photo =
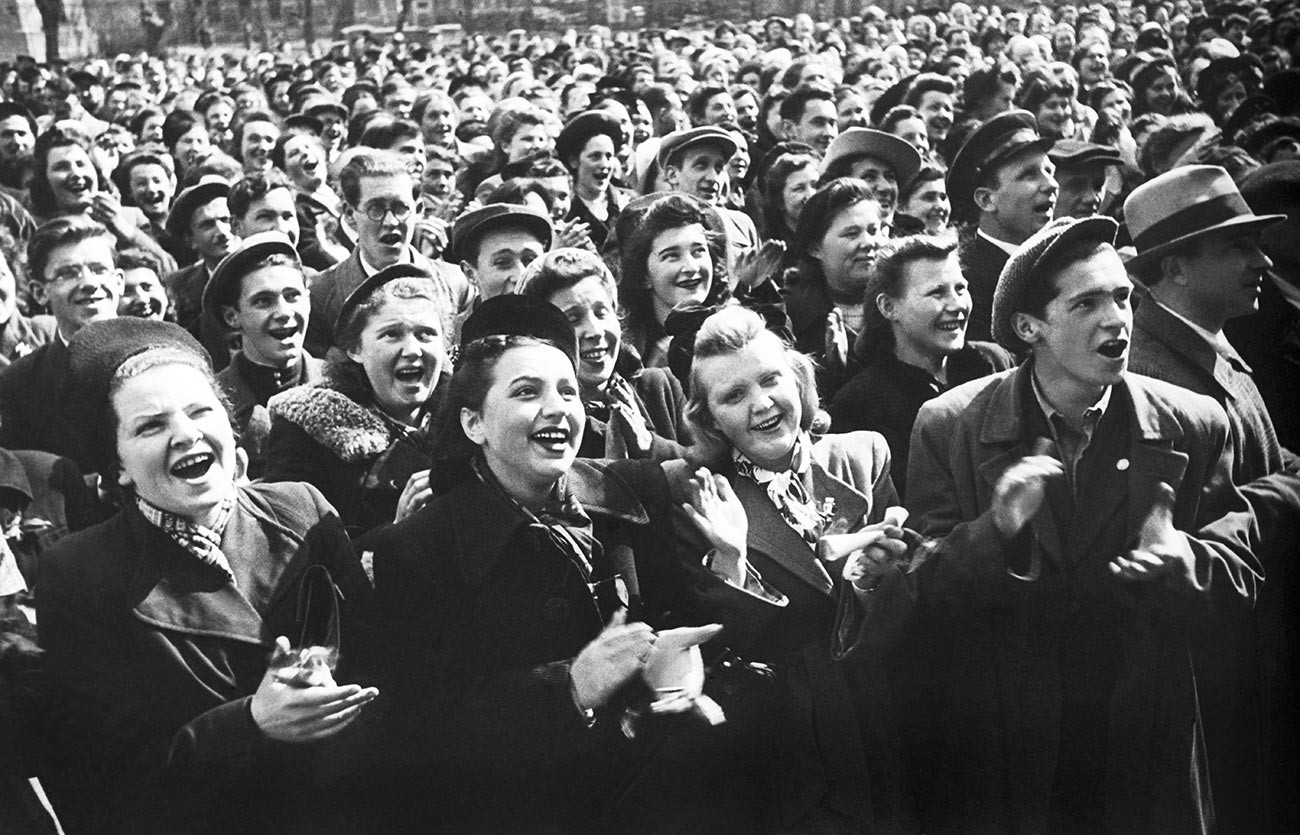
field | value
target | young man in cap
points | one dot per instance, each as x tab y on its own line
381	203
73	264
1086	527
1003	189
1082	172
496	243
694	162
260	294
1199	258
200	216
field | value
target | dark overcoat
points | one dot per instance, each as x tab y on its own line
1072	701
34	412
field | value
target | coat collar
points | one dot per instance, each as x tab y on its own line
484	536
171	590
1160	325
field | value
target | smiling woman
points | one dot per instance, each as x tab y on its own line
157	623
358	436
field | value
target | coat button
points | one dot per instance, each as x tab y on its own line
1121	464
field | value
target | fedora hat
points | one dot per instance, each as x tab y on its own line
1182	205
904	159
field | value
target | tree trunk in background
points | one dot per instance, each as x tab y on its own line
51	17
403	15
345	14
309	24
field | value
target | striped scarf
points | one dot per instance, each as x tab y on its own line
787	490
202	541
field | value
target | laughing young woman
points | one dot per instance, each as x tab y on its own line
358	436
632	411
157	623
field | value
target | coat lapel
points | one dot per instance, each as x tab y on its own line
771	537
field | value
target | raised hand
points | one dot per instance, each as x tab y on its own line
1159	543
617	654
1021	490
755	266
719	515
415	495
837	341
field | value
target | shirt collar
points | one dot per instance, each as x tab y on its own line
1091	415
1009	249
1217	340
370	269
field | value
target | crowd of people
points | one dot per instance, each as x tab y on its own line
879	424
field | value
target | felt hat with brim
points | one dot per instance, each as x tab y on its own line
1273	187
470	227
515	315
1025	268
223	287
1076	154
315	103
680	141
95	353
890	99
1182	205
578	130
206	190
854	143
993	143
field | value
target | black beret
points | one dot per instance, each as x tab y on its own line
223	286
472	226
890	99
994	142
515	315
95	353
373	283
1021	268
583	127
188	201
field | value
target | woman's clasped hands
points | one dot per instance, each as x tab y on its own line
286	711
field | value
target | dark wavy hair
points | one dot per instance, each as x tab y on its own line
44	205
773	203
819	213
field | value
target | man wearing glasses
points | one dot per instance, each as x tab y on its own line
382	205
73	264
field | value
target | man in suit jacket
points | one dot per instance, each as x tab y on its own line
73	262
201	217
1086	529
1199	256
1002	190
381	202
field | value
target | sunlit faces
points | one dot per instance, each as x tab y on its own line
218	116
383	242
16	137
848	249
400	101
1081	342
936	109
929	204
596	164
1095	64
738	165
211	233
679	268
528	140
928	316
438	124
799	186
1081	191
914	133
1222	274
753	397
256	141
174	441
719	108
818	126
1117	107
747	111
152	188
1022	198
80	284
274	211
403	353
1162	92
852	112
883	182
439	178
503	255
192	147
594	315
304	161
72	178
271	315
8	291
411	150
475	107
531	421
1055	116
143	295
699	171
1230	99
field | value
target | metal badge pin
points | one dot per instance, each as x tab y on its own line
1121	464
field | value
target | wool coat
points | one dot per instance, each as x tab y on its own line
153	658
34	412
1072	699
981	264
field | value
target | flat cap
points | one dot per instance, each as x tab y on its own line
470	227
223	286
679	141
209	188
993	143
1074	153
1023	268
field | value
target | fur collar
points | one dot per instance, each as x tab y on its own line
333	420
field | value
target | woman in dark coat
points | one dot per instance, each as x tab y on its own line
358	436
157	624
833	762
518	607
632	411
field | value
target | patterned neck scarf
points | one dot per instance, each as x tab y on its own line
787	490
201	541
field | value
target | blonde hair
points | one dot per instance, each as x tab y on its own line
729	331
